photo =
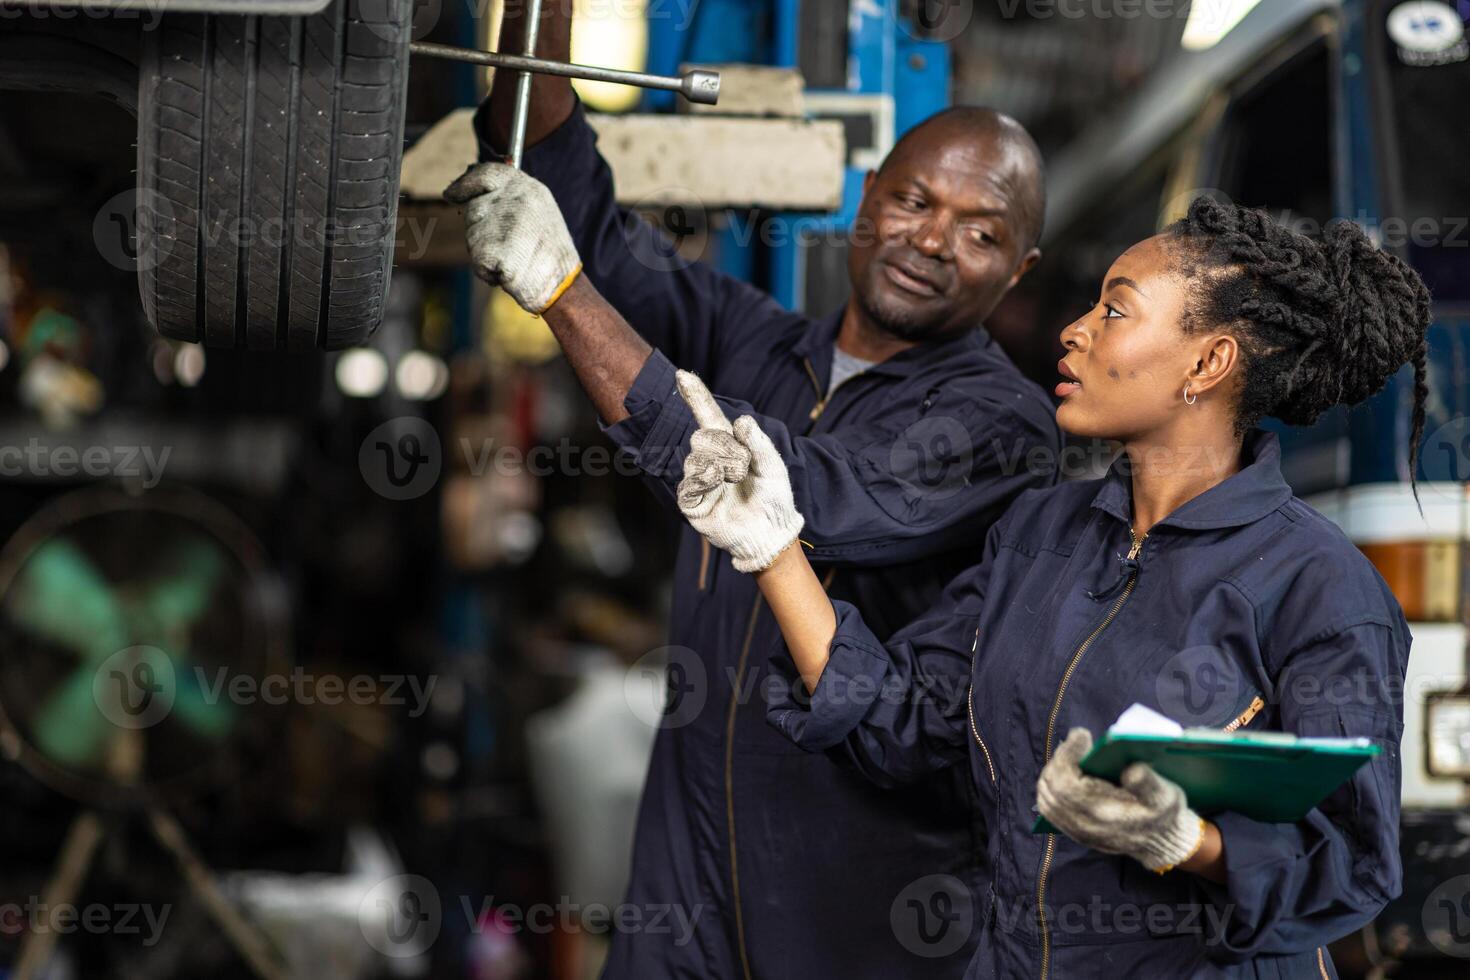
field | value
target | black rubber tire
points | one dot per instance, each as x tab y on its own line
269	150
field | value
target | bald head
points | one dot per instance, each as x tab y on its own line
1002	139
947	225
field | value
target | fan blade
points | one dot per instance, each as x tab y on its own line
61	598
69	728
173	603
211	718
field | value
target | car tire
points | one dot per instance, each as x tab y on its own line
269	150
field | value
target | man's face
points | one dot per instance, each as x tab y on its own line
939	237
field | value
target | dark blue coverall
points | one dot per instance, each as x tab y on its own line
1244	609
794	864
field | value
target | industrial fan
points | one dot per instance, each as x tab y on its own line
127	623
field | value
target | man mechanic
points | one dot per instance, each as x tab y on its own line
906	432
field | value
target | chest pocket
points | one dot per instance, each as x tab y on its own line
1204	687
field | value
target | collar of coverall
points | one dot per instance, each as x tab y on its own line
1241	499
816	343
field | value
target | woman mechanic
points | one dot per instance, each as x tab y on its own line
1188	579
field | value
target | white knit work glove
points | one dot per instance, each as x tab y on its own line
1146	818
516	234
735	489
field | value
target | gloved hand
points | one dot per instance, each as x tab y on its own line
735	489
516	234
1145	818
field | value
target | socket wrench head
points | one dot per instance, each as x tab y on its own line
701	86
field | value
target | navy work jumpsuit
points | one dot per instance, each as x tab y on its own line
791	865
1244	609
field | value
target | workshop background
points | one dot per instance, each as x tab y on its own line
387	623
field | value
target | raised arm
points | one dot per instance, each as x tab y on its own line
896	711
868	495
552	98
683	308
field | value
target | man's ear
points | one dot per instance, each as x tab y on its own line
1028	262
868	180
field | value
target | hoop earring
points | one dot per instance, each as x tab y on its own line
1187	399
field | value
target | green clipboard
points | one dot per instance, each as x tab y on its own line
1268	776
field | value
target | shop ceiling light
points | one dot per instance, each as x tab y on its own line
189	364
613	35
420	376
1211	20
361	372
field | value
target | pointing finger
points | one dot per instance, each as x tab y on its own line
706	410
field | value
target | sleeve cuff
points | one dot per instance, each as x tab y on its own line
851	683
1254	854
659	423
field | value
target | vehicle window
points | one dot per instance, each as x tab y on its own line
1423	69
1275	145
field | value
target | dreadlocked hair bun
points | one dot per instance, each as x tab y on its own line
1321	320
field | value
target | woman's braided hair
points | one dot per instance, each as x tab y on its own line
1321	320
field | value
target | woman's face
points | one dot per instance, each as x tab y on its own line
1128	358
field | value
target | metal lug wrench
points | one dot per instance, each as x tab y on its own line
696	86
